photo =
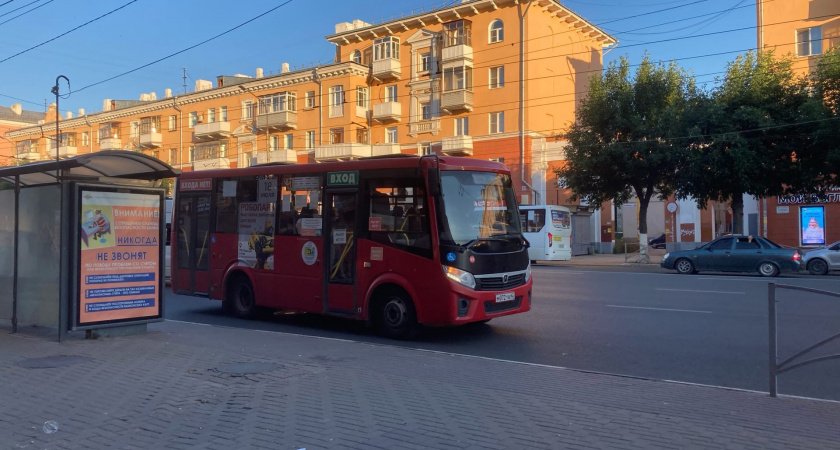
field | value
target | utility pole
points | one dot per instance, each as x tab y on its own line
57	132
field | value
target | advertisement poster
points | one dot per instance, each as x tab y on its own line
256	234
812	225
120	256
561	219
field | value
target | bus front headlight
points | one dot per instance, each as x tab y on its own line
460	276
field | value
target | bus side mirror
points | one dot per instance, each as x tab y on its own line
433	181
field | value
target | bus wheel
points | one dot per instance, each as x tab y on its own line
240	298
396	316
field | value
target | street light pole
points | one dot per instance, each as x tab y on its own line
57	133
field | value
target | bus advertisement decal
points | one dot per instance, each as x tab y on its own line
256	234
376	253
309	253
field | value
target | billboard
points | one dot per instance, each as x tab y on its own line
812	225
120	246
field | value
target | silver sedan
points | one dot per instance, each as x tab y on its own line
821	260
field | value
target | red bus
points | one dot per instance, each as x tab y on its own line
392	241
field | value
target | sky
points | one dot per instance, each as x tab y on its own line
90	41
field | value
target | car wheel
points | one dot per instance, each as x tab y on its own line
240	298
768	269
818	267
684	266
396	317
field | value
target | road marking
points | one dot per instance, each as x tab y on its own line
661	309
703	292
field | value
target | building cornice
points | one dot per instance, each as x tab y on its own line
471	8
260	84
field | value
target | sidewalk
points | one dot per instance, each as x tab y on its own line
609	259
194	386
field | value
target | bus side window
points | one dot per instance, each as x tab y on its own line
400	210
300	208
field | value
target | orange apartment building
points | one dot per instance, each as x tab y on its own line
806	30
12	118
491	79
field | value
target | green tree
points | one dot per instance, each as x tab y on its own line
622	143
825	82
752	135
168	184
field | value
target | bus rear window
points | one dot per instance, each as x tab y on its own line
533	220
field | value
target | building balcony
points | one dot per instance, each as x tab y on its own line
457	146
29	156
151	140
66	151
285	156
387	69
456	53
457	101
110	144
385	149
387	112
211	131
278	120
342	152
426	126
211	164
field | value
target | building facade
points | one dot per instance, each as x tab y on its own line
490	79
13	118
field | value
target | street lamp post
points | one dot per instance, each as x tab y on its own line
57	132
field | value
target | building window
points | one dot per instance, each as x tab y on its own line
362	135
223	113
426	111
391	135
149	124
310	139
336	135
457	33
462	126
173	123
356	57
211	115
497	122
173	156
497	77
247	160
274	143
193	119
391	93
284	101
336	101
309	100
191	155
425	148
134	129
497	31
288	142
809	41
425	62
386	48
85	139
247	109
362	96
457	78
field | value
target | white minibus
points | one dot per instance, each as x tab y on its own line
548	228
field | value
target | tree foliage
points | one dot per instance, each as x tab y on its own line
752	135
622	144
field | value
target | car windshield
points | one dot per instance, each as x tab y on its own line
478	206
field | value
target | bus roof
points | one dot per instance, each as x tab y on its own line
446	163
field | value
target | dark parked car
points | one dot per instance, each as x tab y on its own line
657	242
736	254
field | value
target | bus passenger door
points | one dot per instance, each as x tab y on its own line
193	236
340	253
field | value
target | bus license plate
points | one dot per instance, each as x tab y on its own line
506	297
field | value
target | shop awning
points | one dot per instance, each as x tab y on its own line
99	166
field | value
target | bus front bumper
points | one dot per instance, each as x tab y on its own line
476	306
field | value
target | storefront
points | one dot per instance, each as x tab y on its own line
804	220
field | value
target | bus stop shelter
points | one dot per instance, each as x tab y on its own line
81	242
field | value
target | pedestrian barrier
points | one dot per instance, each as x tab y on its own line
777	368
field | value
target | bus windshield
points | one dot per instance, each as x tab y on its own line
478	206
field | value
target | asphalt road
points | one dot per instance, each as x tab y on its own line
705	328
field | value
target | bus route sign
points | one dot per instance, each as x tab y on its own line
345	178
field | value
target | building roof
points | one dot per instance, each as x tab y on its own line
466	8
25	116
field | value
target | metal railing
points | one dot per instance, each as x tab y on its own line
777	368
